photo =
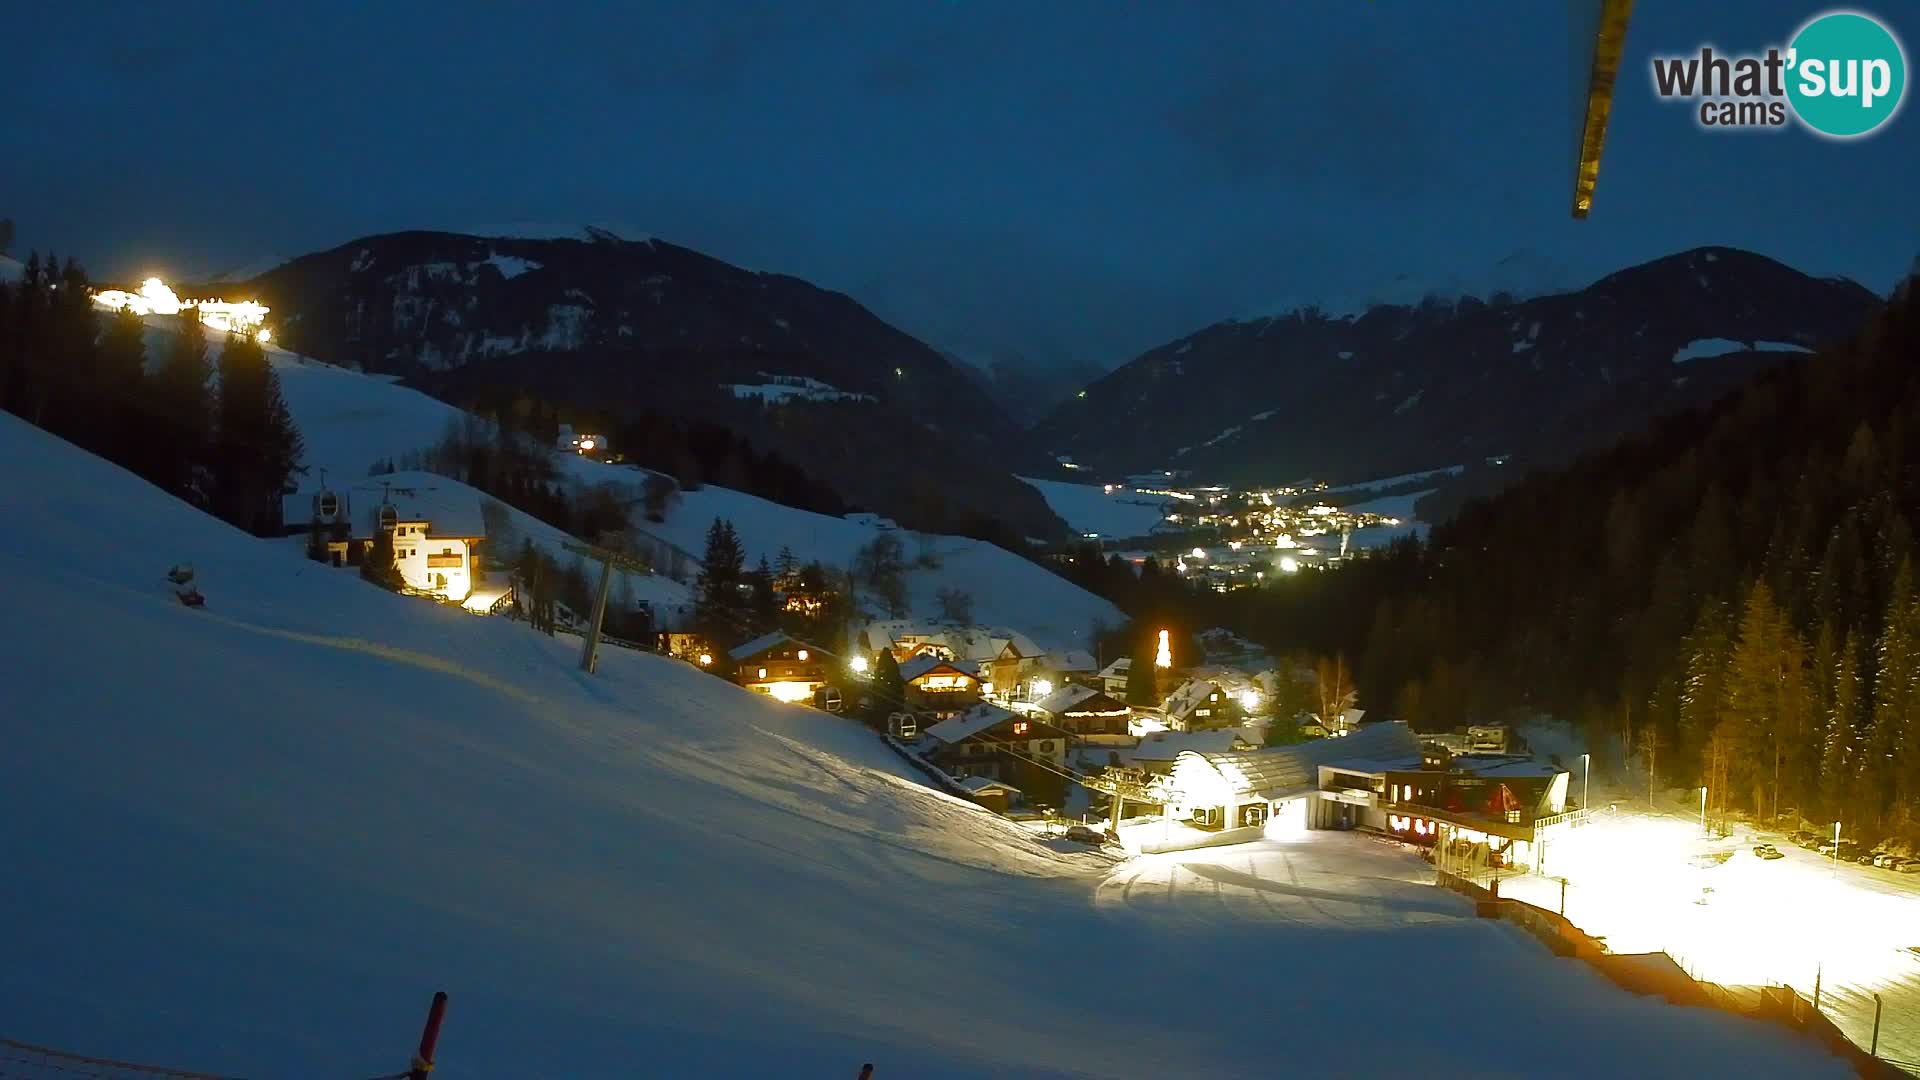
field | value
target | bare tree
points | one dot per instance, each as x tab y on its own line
1335	689
956	605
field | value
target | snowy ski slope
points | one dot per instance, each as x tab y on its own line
252	839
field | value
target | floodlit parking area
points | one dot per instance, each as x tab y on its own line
1650	882
1385	975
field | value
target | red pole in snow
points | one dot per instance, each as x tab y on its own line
866	1071
429	1037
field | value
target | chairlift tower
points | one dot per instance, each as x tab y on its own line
608	558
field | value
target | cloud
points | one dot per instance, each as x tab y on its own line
1315	119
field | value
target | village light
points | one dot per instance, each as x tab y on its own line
265	335
706	659
1163	657
803	654
1041	688
1249	700
1289	564
859	665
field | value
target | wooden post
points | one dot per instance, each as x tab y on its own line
1816	988
589	651
429	1038
1874	1050
1563	897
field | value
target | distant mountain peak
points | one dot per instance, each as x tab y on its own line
548	230
1521	274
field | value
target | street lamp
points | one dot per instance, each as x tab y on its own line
1703	809
1586	781
1836	847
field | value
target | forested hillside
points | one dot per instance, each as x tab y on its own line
1729	599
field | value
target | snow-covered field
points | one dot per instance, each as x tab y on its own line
1119	514
1646	882
252	839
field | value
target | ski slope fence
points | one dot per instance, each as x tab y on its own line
1659	974
25	1061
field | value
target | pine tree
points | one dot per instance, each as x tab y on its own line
1888	765
257	448
119	420
765	607
378	565
718	606
183	405
1837	752
1703	690
889	689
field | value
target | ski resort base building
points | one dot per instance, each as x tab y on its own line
1491	810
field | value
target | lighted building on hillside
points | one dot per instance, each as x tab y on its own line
780	667
436	531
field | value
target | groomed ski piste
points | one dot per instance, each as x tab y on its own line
251	839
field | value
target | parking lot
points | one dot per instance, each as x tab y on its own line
1647	881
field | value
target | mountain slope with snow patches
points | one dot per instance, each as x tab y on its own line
351	422
253	838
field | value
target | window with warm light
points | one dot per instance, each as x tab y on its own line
1020	728
763	673
803	654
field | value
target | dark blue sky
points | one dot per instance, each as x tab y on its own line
1064	179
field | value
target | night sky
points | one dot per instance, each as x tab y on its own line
1064	180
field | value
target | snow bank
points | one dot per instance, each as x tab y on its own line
252	839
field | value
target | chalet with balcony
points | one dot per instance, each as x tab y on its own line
1091	717
780	667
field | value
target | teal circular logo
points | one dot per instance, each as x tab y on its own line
1846	74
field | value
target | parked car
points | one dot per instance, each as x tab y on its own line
1825	847
1865	858
1849	851
1907	866
1805	837
1086	834
1767	851
1885	859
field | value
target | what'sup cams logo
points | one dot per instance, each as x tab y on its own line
1842	75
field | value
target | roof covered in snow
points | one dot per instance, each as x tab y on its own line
982	784
1284	771
1118	668
926	663
1072	660
1080	700
449	508
1191	695
967	642
968	724
757	646
1167	745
